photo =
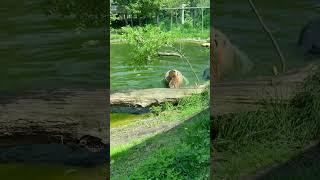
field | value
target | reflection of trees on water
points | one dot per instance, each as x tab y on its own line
84	12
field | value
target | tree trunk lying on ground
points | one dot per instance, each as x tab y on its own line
154	96
63	115
232	97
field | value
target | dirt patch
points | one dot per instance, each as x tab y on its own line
140	129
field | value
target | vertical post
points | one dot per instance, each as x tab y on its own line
201	20
158	19
126	18
182	13
176	14
171	20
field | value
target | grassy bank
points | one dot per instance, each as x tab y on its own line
274	133
178	32
180	153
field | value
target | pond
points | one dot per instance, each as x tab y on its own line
284	18
123	76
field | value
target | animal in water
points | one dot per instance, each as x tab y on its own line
91	143
206	74
226	58
174	79
309	40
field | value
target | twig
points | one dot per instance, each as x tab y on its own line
270	35
188	62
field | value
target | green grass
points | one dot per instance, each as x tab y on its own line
114	150
304	166
180	153
274	133
185	107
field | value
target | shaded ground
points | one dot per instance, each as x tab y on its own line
304	166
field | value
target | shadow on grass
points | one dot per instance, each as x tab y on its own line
305	165
182	152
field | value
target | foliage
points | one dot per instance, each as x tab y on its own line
84	13
94	12
140	7
113	18
194	103
146	41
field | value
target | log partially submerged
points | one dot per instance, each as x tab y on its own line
170	54
149	97
207	44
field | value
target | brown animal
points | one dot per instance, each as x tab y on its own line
226	58
174	79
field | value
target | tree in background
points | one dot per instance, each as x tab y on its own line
84	12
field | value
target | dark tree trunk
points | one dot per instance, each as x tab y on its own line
126	18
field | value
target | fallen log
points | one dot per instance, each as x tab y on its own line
60	115
154	96
169	54
233	97
207	44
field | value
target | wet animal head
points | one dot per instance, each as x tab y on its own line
173	73
174	79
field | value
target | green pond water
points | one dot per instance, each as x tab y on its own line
125	77
121	119
122	76
284	18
